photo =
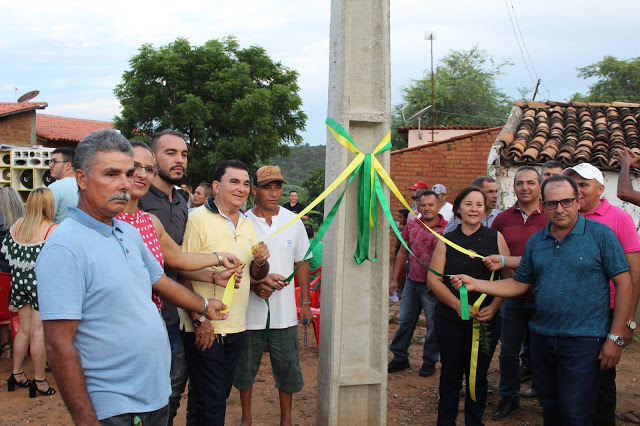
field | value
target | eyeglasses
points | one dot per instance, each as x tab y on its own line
53	162
152	170
552	205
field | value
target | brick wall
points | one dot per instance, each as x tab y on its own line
18	129
453	163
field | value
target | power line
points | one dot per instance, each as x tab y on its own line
518	41
522	38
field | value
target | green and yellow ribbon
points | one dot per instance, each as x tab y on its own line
370	171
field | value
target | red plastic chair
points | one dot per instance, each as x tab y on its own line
314	296
315	322
6	316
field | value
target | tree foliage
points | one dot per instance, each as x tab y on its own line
297	167
232	102
314	185
618	80
465	93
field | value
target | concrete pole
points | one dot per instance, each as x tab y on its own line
352	371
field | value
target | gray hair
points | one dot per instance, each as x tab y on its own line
11	207
103	140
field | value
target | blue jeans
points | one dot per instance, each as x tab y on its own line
516	314
566	372
415	299
173	331
454	340
211	375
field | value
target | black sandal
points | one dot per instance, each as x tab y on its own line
33	388
12	382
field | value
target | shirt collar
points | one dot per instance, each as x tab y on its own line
602	209
90	222
213	207
538	210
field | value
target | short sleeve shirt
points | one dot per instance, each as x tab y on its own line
422	243
297	209
101	276
570	279
65	194
622	225
286	248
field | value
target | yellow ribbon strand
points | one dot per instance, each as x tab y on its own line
394	189
475	345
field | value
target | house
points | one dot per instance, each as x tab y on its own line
453	162
570	133
27	139
427	134
21	126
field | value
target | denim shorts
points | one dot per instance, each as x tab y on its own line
285	359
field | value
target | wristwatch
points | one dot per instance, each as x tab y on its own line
198	321
220	258
618	340
631	324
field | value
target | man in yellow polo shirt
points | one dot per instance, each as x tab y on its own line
213	348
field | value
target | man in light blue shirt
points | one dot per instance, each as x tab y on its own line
106	342
65	188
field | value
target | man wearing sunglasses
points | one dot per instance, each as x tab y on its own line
568	264
591	186
65	188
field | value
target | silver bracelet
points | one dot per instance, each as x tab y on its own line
220	258
206	307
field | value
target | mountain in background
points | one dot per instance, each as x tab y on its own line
303	159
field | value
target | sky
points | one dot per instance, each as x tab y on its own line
75	52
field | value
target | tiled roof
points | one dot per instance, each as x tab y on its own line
571	133
10	108
66	129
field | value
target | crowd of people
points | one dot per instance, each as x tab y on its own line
118	275
554	278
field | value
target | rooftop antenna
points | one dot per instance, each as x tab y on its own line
419	115
28	96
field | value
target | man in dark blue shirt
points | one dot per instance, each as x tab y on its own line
569	264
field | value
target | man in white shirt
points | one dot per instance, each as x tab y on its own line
276	320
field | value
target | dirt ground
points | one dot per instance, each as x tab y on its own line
412	400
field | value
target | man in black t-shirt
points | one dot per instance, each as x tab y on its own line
293	204
164	201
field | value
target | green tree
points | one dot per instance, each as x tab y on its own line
314	185
618	80
465	93
230	102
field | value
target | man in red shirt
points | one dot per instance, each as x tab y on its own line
517	224
416	295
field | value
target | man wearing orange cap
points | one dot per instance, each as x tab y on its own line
276	322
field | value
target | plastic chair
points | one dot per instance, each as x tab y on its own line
6	316
315	322
314	296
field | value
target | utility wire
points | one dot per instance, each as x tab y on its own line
522	38
518	41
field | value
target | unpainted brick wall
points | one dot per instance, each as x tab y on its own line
453	163
18	129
